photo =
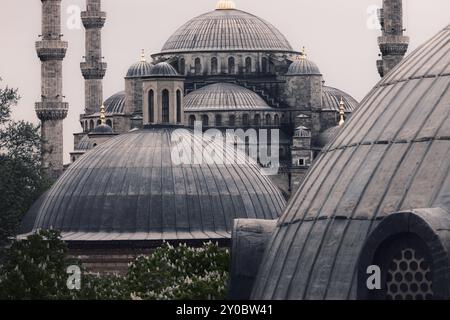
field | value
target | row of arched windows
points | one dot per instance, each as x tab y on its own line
89	126
232	120
214	65
165	106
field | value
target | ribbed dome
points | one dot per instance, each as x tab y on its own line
115	104
129	188
139	69
84	144
391	156
163	69
226	30
328	135
302	67
103	129
331	98
224	97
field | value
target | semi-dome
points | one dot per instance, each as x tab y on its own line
130	188
163	69
84	144
380	190
115	104
224	97
226	29
303	67
331	98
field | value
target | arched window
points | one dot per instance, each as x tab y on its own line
232	120
178	106
165	114
198	66
205	120
151	106
276	120
182	66
268	120
231	66
192	120
248	65
218	120
245	121
257	120
99	122
86	126
264	65
91	125
214	65
109	123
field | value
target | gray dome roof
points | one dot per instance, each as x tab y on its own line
302	67
391	156
84	144
115	104
163	69
227	30
331	98
103	129
139	69
328	135
224	97
129	188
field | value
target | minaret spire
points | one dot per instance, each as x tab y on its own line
51	110
93	69
393	44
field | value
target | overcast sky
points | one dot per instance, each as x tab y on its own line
336	34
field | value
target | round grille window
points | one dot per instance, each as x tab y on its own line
409	277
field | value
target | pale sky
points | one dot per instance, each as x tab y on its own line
335	33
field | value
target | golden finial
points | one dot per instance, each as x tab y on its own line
304	55
342	112
103	114
225	5
143	56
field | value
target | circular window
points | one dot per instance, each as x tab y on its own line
409	277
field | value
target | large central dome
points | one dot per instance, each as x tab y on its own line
227	30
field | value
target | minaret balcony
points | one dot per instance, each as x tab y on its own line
93	69
51	49
51	110
93	19
393	45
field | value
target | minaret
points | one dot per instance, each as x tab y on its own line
51	110
393	44
93	69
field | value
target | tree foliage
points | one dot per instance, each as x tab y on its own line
36	269
21	179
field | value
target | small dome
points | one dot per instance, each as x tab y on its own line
115	104
224	97
302	132
303	67
331	98
328	135
103	129
139	69
163	69
84	144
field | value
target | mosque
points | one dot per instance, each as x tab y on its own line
368	183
